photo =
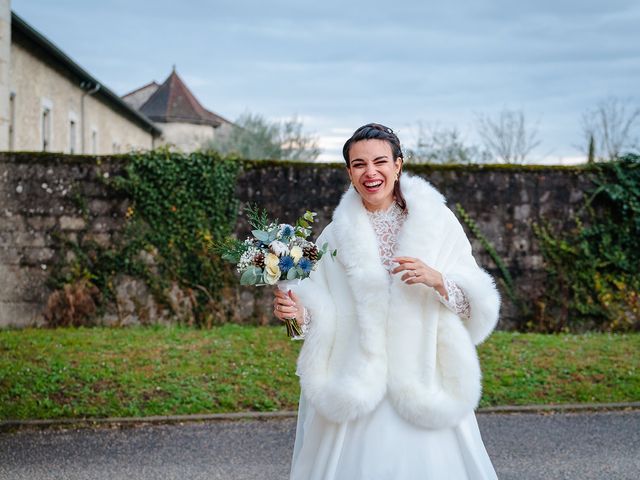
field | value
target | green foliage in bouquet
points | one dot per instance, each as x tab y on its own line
275	251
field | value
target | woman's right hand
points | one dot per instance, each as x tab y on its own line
287	306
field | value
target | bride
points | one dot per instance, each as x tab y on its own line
388	370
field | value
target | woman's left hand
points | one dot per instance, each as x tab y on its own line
416	271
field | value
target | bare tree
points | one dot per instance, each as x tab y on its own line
614	126
257	138
295	144
508	138
443	145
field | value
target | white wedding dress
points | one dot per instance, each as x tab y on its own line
382	445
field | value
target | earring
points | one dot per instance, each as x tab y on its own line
397	176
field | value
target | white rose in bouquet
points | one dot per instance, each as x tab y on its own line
271	274
296	253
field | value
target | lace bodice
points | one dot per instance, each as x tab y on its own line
387	225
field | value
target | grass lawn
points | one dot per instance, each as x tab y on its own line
102	372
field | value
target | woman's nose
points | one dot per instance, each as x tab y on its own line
371	169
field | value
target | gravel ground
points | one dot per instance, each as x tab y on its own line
522	446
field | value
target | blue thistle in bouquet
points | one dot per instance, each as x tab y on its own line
275	253
286	263
305	265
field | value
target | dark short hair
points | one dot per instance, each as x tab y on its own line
377	131
372	131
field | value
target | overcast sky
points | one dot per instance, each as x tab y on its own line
339	64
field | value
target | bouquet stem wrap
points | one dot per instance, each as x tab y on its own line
293	328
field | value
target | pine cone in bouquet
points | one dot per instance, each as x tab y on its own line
311	252
258	260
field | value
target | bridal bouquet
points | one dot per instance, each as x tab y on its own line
276	253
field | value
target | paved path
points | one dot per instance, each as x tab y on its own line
523	447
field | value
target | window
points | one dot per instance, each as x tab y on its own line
72	136
46	128
12	121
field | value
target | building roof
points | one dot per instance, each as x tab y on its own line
174	102
24	33
139	96
151	85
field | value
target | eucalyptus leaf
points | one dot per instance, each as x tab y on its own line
260	235
250	276
292	274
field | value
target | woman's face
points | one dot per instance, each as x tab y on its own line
372	170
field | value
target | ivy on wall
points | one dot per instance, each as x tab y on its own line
505	276
594	269
180	204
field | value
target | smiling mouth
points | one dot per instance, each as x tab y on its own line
373	185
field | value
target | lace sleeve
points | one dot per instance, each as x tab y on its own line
457	302
305	325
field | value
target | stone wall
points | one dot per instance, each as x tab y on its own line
45	195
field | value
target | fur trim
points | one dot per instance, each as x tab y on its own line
477	284
444	391
341	394
371	333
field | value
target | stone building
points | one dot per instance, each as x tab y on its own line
185	123
49	103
